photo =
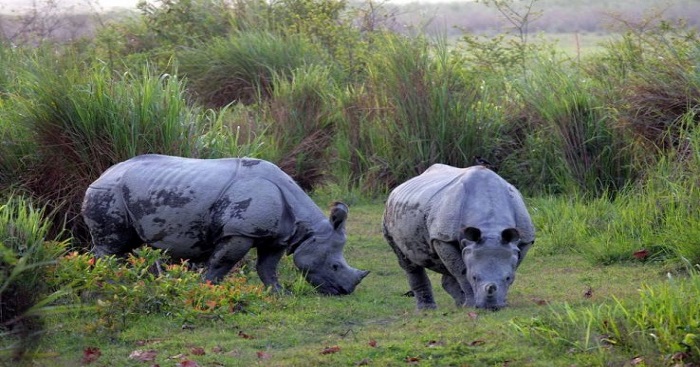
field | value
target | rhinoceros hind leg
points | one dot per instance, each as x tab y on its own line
114	240
227	253
268	258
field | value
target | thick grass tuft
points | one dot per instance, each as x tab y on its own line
26	258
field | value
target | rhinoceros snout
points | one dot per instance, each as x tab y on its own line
491	299
491	289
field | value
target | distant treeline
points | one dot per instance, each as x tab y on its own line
555	16
55	20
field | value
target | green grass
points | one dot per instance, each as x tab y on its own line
295	329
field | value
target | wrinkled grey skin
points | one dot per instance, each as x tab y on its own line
468	224
216	210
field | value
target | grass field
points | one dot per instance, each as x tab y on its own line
376	326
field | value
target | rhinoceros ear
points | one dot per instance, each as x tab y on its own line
510	235
339	212
472	234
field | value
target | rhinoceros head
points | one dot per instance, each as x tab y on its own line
491	261
320	256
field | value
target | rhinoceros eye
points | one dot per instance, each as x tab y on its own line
335	267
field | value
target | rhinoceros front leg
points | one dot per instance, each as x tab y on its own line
417	278
268	258
455	283
422	289
451	285
226	254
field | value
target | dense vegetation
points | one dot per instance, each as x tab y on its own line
350	108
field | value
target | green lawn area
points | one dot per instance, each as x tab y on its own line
375	326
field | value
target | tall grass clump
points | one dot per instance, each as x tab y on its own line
649	221
653	71
654	219
660	328
300	122
77	122
571	224
572	143
26	258
240	67
429	109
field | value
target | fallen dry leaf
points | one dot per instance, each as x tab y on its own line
588	293
641	254
477	343
245	336
637	361
679	356
143	355
473	315
331	350
263	355
198	351
187	363
372	343
540	301
91	354
412	360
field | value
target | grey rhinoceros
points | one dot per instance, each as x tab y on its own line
216	210
468	224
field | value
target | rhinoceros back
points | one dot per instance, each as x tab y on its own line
183	205
442	200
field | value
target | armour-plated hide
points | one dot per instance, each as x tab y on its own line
215	211
467	224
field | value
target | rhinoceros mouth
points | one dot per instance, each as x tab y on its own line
333	290
491	307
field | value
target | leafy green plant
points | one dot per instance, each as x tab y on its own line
26	259
120	291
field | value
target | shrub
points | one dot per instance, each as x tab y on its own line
147	282
26	259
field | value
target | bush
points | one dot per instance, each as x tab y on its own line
26	260
120	291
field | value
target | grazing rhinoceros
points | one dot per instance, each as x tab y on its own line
468	224
217	210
